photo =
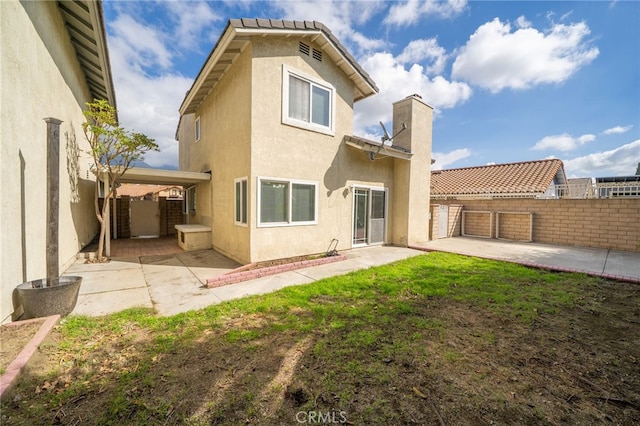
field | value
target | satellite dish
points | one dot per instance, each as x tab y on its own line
385	138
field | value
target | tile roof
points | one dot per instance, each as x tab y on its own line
236	36
528	177
137	190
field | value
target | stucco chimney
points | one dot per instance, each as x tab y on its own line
412	178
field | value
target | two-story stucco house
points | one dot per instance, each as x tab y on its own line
270	116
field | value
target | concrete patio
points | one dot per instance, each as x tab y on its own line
171	280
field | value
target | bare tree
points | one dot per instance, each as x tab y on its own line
114	150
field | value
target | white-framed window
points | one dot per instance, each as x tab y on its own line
307	102
241	197
197	129
190	200
285	202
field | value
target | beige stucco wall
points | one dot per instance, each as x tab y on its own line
40	78
223	149
288	152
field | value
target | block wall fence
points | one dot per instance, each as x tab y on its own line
612	223
170	215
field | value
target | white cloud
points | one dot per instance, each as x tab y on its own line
444	159
563	142
396	82
146	103
522	22
339	16
495	57
422	50
412	11
191	21
139	45
621	161
616	130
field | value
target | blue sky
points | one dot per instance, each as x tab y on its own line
509	81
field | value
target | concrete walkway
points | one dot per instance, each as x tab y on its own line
620	265
173	283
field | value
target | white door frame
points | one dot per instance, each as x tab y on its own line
368	188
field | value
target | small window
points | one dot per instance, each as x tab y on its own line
197	127
307	102
190	200
285	202
241	201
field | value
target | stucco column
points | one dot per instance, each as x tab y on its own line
412	178
53	197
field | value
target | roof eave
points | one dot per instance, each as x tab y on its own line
75	16
234	29
375	148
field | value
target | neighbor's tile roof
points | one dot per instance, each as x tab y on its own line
511	178
140	190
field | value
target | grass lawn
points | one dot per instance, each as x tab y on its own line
435	339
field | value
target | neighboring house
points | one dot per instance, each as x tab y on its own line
618	186
270	116
527	179
54	59
150	192
580	188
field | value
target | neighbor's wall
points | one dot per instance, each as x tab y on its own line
40	78
612	223
454	221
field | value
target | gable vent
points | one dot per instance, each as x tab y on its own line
304	48
317	55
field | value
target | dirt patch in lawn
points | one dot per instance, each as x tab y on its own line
14	338
414	360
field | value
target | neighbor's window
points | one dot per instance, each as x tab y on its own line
197	127
286	202
241	201
307	102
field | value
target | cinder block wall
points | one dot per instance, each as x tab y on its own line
477	223
511	226
453	227
174	216
122	205
603	223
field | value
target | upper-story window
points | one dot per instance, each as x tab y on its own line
197	128
307	102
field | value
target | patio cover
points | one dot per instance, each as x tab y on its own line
163	177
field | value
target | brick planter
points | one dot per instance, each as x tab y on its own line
238	275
